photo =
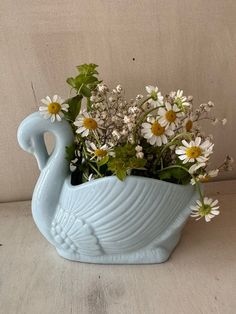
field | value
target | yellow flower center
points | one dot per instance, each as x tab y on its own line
204	210
100	152
170	116
178	102
189	125
157	129
54	107
193	152
205	179
90	124
154	95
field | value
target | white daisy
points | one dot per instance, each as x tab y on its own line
53	108
170	115
86	124
180	100
207	209
206	176
195	151
99	152
156	97
155	133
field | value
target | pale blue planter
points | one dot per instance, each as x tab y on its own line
107	221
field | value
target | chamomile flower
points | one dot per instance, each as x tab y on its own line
180	100
206	176
156	97
194	151
155	133
207	209
99	152
86	124
53	108
169	116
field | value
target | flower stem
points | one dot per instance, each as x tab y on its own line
184	134
143	102
91	165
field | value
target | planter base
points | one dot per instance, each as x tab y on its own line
148	256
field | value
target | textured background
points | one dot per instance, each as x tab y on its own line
176	43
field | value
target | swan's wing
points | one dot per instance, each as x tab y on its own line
74	235
127	216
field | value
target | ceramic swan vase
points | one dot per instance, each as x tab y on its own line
136	221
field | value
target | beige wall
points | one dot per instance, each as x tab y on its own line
188	44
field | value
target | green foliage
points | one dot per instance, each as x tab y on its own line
86	81
125	159
175	175
70	152
74	107
103	161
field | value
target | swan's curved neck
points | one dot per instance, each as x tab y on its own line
54	168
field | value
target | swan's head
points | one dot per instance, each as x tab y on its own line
30	137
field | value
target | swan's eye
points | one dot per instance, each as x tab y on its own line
90	124
54	108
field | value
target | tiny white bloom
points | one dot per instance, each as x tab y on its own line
140	155
215	121
53	108
126	119
207	209
138	148
85	124
119	88
224	121
156	97
139	97
170	115
195	151
155	133
180	100
116	134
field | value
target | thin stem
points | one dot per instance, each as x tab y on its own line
91	165
175	138
96	137
144	101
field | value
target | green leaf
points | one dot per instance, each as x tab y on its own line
165	175
176	175
74	107
70	152
103	161
85	91
87	69
71	82
121	174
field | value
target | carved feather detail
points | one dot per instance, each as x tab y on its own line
74	235
108	217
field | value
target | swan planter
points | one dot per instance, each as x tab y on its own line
137	221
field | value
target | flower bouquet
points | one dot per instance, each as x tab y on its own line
124	176
154	136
